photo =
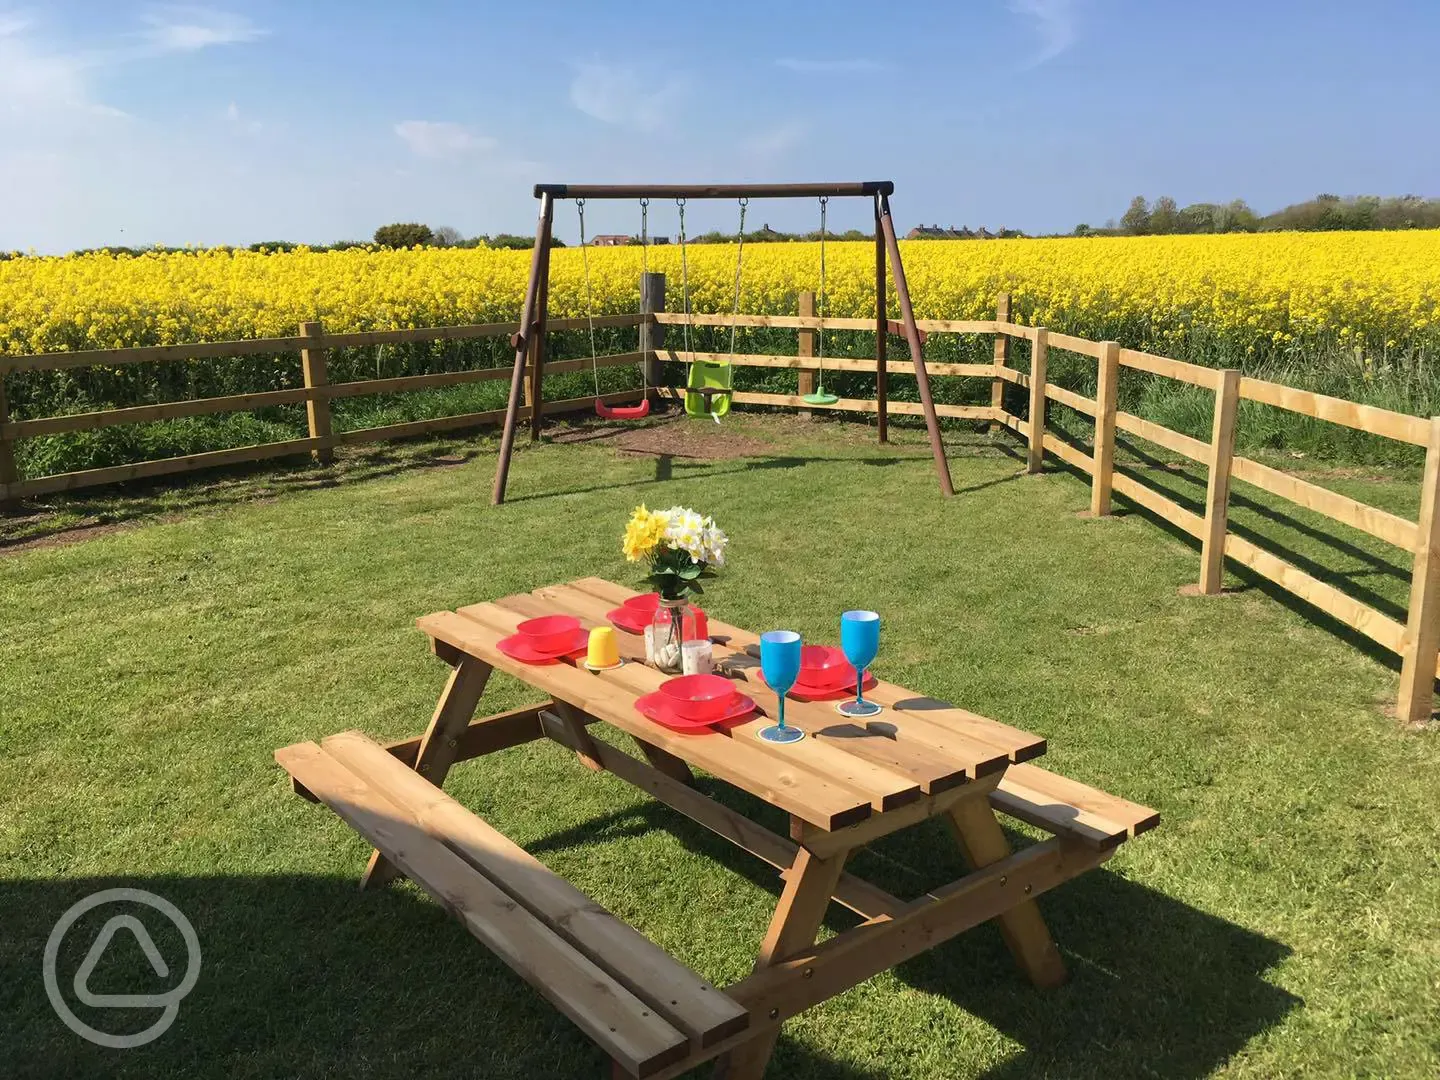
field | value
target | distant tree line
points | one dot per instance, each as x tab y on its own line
1324	213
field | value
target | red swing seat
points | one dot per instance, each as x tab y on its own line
622	412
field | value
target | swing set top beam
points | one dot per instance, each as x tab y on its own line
713	191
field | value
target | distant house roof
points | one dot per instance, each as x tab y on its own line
935	232
610	240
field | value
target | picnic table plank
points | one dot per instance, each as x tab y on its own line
794	790
885	788
609	1013
886	745
684	999
947	734
1059	804
933	716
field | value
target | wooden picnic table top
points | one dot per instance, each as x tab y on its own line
841	774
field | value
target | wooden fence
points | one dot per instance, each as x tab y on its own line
1416	641
313	345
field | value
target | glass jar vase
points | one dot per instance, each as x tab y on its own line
672	625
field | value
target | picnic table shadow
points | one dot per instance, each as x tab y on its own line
304	976
1157	987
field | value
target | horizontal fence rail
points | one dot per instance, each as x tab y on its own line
1417	640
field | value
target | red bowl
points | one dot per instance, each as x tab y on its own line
699	697
645	604
549	633
823	665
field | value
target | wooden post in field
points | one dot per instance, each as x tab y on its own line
652	334
1039	358
1420	644
807	348
314	365
1217	490
9	474
1105	428
1002	356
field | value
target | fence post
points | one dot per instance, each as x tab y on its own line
1002	356
1105	428
1217	488
9	474
652	334
1420	643
313	363
1039	358
807	348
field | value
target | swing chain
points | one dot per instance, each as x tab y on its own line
644	275
824	296
589	304
684	277
739	265
644	236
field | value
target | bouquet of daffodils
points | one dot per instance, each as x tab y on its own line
681	546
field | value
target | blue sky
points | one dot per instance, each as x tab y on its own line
316	121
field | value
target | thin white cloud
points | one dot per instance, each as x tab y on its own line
441	138
37	78
1055	23
185	28
853	66
621	96
239	121
774	142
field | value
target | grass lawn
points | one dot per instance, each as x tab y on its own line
1280	922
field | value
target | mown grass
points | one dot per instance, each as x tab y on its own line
1280	922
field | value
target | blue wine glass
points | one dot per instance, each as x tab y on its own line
780	661
860	641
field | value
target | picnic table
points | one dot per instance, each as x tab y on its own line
843	786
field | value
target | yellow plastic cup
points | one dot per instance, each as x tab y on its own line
604	648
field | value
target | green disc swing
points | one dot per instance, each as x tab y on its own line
709	383
820	396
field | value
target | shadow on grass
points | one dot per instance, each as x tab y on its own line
1157	987
1185	485
138	500
300	977
305	976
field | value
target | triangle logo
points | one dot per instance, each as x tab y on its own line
97	950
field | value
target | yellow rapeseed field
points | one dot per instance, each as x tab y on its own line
1283	292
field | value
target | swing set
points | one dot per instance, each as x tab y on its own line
709	380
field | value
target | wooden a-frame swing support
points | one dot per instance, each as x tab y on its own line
528	341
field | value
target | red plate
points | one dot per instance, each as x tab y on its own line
626	619
632	622
835	691
519	648
656	707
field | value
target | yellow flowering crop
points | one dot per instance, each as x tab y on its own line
1242	292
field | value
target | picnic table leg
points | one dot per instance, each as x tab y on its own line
809	885
983	841
666	762
453	713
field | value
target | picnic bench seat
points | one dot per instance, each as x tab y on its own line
641	1006
1069	808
